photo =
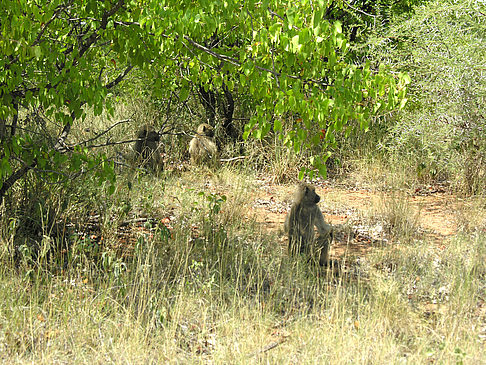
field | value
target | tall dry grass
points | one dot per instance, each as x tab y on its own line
201	282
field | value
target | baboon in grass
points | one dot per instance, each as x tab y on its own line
202	147
146	149
299	224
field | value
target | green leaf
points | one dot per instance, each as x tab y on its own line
406	78
242	80
337	28
295	43
302	173
280	107
5	168
38	52
403	102
265	129
377	107
292	101
184	93
322	168
277	125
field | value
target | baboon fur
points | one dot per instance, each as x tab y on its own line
299	224
202	147
146	149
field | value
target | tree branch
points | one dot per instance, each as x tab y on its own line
44	27
12	179
235	62
231	60
119	78
102	133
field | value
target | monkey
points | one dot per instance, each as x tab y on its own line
146	149
299	224
202	147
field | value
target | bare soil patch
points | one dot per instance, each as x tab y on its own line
351	211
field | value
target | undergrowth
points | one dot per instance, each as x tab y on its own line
182	273
175	268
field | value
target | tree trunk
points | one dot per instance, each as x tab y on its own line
208	100
228	108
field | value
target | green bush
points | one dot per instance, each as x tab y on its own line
439	134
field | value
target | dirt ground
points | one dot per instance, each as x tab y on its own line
357	214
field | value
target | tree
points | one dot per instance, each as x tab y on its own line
442	129
60	57
362	17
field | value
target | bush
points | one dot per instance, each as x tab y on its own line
442	47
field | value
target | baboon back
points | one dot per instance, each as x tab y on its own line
202	148
146	149
300	221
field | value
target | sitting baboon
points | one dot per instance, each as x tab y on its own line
146	149
202	147
299	224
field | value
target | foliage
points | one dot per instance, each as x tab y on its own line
441	131
56	60
364	17
61	58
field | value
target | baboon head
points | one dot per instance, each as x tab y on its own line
306	194
148	135
205	129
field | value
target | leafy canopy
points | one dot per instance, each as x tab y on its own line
60	57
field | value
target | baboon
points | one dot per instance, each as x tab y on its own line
202	147
299	224
146	149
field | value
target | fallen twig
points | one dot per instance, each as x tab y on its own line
267	347
232	159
